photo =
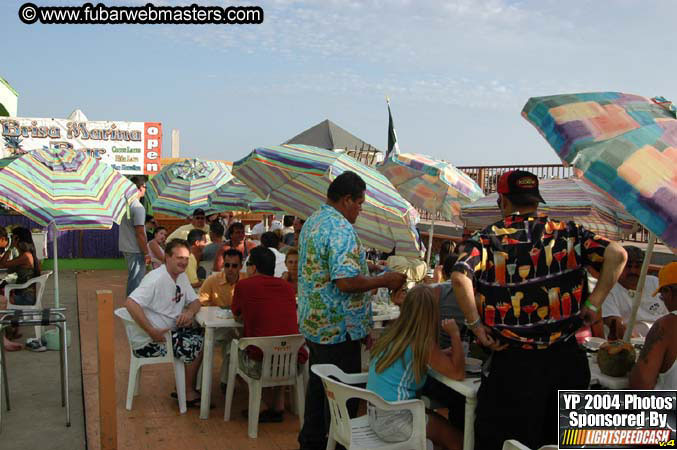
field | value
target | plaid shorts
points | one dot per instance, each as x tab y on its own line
187	343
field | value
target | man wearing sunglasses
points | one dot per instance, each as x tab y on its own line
165	301
656	368
217	290
618	304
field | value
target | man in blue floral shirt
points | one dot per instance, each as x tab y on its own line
333	306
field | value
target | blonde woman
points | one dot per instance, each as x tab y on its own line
399	365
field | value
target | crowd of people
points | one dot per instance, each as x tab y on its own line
526	290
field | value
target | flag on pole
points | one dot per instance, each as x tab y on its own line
392	136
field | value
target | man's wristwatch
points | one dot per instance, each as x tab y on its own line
472	325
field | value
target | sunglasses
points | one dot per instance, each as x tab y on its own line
177	295
199	217
249	263
229	265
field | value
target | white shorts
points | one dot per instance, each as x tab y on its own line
391	426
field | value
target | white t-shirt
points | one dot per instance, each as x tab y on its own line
280	266
157	295
619	303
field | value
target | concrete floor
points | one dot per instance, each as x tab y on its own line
37	419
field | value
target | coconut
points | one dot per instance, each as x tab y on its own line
616	358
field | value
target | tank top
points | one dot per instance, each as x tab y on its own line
396	382
668	379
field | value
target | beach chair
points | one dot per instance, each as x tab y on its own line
278	368
39	290
356	434
136	363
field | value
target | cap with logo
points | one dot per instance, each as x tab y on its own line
520	182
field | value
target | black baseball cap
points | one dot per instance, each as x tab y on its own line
199	212
520	182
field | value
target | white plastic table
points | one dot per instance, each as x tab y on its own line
208	319
468	388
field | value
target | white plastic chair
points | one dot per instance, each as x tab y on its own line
135	364
39	290
356	434
278	368
513	444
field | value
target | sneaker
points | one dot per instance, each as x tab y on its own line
35	345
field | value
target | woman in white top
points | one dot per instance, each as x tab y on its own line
156	247
657	364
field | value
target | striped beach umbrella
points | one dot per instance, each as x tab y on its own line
231	196
182	187
569	199
237	196
296	179
624	145
434	186
264	207
66	189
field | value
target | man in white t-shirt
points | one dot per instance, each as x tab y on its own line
166	301
617	307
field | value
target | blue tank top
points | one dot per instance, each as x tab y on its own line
396	382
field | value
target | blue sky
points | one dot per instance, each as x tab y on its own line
457	71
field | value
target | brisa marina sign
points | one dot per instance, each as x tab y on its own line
130	147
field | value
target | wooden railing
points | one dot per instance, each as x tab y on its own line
487	177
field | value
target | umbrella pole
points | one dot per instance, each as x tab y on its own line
640	287
56	267
430	240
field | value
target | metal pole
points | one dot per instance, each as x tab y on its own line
640	287
56	266
430	238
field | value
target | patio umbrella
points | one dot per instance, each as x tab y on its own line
233	195
432	185
68	190
182	187
264	207
624	145
296	178
237	196
569	199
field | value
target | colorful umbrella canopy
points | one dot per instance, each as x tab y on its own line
182	187
264	207
68	189
237	196
231	196
569	199
431	185
622	144
296	178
